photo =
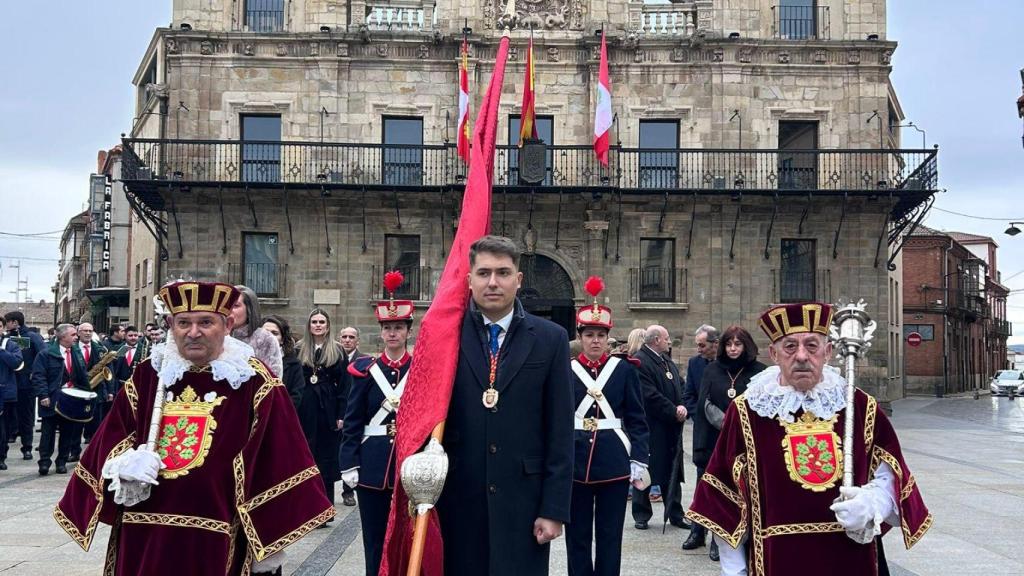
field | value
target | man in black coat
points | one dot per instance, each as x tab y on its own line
92	352
706	341
23	418
663	403
509	432
61	365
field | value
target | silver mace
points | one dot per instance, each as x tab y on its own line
851	332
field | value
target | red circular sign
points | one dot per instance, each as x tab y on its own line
914	339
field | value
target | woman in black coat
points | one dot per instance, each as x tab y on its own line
291	376
724	379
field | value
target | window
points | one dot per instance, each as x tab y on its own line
796	282
145	272
656	276
402	253
149	272
261	159
403	151
798	163
927	331
259	254
545	131
659	169
798	19
138	275
264	15
149	77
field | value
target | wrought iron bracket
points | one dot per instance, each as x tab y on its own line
558	219
693	219
881	233
839	228
177	226
661	219
618	226
288	218
771	226
897	238
157	226
223	225
398	212
364	220
803	215
442	203
735	225
327	233
252	208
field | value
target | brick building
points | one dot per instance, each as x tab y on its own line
304	147
952	298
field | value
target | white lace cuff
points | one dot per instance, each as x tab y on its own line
126	492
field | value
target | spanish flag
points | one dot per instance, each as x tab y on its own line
527	122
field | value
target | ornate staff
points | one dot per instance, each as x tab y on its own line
851	331
160	312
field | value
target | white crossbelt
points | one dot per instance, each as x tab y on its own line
595	394
3	345
376	427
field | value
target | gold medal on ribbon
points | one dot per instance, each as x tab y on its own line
731	393
490	398
313	379
668	375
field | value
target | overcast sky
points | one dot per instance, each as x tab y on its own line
67	94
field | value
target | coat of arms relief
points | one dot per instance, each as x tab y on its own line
538	14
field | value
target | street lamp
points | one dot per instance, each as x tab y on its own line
1013	230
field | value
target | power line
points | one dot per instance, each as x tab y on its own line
31	258
976	217
29	234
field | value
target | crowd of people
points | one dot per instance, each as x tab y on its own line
578	434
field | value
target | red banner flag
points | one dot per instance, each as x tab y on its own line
603	114
462	144
429	388
528	119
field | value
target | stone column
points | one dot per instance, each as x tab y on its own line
596	231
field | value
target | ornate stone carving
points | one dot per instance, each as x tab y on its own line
853	57
206	48
595	53
314	48
513	53
171	45
745	55
638	55
820	57
632	39
784	57
553	54
342	50
718	55
423	52
382	50
885	58
537	14
282	49
248	49
679	54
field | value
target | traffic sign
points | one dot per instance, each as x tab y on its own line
914	339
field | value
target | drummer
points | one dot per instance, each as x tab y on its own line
61	368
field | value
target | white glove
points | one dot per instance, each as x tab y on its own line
140	466
638	473
131	475
859	513
350	477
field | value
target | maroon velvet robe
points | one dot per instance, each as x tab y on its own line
240	484
749	488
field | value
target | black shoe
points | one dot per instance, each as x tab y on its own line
348	499
680	523
713	552
43	471
693	541
26	455
3	465
62	469
640	525
74	457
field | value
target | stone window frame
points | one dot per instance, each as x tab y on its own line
823	116
688	137
238	11
237	108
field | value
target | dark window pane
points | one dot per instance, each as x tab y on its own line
545	131
797	19
796	278
261	265
402	253
403	151
657	270
798	170
261	162
659	169
264	15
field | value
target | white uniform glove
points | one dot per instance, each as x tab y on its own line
350	477
140	466
859	512
638	473
132	474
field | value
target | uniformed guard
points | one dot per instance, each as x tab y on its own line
368	444
610	444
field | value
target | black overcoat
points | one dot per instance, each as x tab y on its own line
661	396
715	386
513	463
321	406
49	375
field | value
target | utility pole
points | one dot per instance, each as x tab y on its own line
21	286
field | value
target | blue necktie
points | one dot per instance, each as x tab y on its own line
494	329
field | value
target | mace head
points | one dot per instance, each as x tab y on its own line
423	476
852	329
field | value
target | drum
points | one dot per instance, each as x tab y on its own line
75	404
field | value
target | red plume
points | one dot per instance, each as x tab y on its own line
594	285
392	280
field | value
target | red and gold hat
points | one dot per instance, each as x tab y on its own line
190	296
594	314
392	310
786	319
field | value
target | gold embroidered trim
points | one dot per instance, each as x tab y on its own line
82	539
804	528
733	539
752	483
869	424
90	481
916	536
177	520
132	394
296	534
110	561
281	488
879	455
232	537
725	490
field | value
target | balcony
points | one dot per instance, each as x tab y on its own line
801	23
657	285
972	305
418	285
267	280
676	20
398	16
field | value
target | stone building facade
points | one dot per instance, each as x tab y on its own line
72	305
307	146
107	251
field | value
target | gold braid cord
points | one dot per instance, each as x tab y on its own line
804	528
177	520
752	483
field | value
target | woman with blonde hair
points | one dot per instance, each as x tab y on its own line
635	340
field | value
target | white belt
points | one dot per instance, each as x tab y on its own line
378	430
591	424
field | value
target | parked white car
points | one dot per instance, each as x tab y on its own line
1007	383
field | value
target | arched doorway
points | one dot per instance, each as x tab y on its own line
547	290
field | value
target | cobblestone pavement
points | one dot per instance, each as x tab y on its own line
968	456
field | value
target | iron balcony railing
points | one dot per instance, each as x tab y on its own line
801	22
657	284
270	164
268	280
418	285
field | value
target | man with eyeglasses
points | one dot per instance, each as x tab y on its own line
706	341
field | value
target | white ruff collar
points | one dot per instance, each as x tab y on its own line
766	396
232	364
